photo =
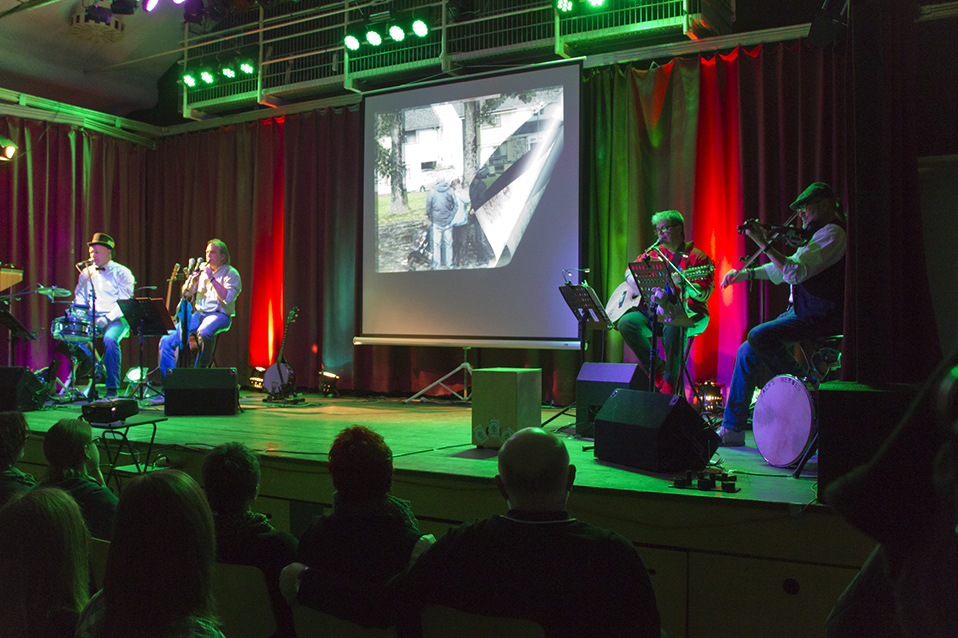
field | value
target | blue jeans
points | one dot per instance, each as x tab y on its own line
205	325
112	336
441	246
636	330
768	345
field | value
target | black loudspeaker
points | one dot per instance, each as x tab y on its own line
593	387
205	391
854	419
21	390
653	432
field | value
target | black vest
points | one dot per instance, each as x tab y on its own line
821	299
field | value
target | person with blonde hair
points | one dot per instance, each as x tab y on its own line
44	565
73	461
159	571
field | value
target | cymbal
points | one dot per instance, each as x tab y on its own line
53	291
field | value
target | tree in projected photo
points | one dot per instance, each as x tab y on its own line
459	181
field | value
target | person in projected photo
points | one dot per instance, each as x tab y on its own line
688	298
474	237
440	208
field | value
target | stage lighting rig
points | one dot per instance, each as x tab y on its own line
96	13
123	7
193	11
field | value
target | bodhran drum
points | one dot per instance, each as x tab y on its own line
784	420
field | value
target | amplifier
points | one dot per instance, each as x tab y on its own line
110	410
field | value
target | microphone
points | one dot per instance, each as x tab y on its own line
657	242
190	265
84	264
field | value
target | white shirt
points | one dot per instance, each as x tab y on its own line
207	299
826	248
111	284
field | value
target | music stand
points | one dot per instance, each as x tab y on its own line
584	304
18	331
147	318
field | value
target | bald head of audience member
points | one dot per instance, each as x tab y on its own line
534	472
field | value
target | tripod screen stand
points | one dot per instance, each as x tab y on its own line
146	318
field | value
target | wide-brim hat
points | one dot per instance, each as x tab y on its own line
102	239
816	190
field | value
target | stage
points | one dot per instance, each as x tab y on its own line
768	550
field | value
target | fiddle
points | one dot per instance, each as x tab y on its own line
792	235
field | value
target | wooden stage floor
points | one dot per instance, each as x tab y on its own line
770	534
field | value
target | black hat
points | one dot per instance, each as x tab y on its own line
102	239
816	190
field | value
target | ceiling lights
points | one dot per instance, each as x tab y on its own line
7	149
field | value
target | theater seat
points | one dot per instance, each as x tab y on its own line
242	601
310	623
446	622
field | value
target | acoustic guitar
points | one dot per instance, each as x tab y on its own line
623	299
279	379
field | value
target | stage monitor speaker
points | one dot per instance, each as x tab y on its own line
201	391
854	419
593	387
653	432
20	390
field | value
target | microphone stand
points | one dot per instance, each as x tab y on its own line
92	394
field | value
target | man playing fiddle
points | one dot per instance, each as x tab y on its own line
694	292
816	274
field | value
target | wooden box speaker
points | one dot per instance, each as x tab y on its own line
21	390
653	432
504	400
201	391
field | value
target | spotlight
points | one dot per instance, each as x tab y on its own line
420	28
327	382
565	6
396	33
228	70
207	75
150	5
189	78
99	14
123	7
351	42
7	149
247	66
596	4
373	36
193	11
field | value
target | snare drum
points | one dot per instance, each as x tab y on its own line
784	420
72	330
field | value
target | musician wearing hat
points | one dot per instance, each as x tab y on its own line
816	275
103	282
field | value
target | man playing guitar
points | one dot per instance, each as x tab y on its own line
689	298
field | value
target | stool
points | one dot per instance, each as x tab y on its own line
821	358
215	340
118	433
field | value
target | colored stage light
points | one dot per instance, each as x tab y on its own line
150	5
207	75
7	149
351	42
596	4
420	28
247	66
373	36
189	79
396	33
565	6
228	70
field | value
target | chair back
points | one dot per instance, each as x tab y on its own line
310	623
99	549
242	601
445	622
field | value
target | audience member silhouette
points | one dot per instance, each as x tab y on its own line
231	477
74	466
44	565
346	558
906	498
158	580
13	439
536	562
